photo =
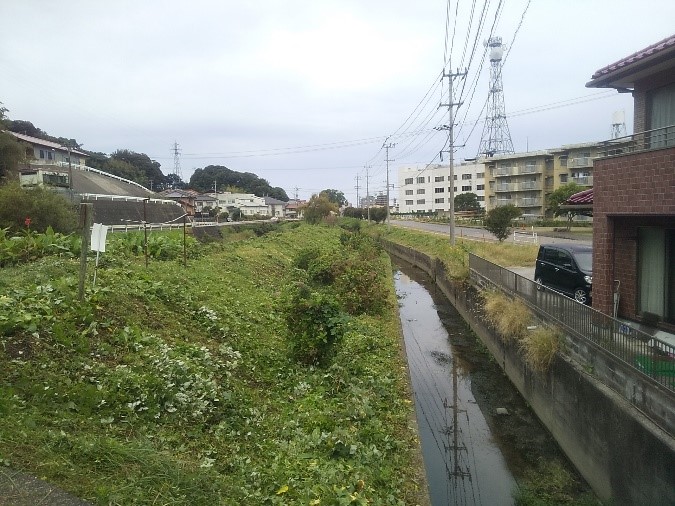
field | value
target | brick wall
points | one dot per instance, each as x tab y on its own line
629	192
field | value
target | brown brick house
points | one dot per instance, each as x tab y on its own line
634	194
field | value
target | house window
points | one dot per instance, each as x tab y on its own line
656	272
420	191
420	201
439	179
480	175
420	180
409	180
454	176
408	192
439	190
439	201
466	188
563	161
480	198
408	202
661	115
480	187
49	155
42	153
466	176
563	178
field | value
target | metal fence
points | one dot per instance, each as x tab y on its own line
641	351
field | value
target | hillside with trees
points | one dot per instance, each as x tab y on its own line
226	179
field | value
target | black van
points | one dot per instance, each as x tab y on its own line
566	268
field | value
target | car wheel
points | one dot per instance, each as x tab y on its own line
540	285
580	295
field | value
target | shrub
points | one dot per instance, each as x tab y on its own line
44	208
315	322
351	224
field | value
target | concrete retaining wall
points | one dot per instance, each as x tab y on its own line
623	455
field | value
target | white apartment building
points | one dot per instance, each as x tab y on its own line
426	188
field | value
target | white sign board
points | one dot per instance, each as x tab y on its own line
98	235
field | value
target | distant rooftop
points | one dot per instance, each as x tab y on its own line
42	142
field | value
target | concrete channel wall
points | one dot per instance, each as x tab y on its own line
622	454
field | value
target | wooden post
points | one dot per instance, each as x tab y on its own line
86	214
184	240
145	230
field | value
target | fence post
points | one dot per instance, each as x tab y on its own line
86	212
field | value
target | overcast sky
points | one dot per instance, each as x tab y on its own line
304	92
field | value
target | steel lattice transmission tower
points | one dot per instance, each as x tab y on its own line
496	138
176	160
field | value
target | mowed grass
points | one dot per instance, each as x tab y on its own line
173	385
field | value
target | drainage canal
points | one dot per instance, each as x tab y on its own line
478	435
463	462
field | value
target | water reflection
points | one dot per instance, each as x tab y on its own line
463	463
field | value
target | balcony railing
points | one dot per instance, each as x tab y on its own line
528	169
504	171
648	140
529	202
583	180
579	162
529	185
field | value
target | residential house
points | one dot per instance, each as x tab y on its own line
294	208
634	193
275	207
186	198
48	163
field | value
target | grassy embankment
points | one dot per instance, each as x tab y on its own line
172	385
457	259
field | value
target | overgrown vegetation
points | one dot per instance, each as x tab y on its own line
36	209
180	386
511	319
551	484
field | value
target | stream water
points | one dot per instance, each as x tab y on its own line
463	461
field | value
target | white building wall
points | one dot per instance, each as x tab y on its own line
426	188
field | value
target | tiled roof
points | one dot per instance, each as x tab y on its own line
633	62
42	142
583	197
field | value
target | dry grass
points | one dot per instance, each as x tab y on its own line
540	346
509	316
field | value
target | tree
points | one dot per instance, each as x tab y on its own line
353	212
378	214
174	181
203	179
335	196
12	153
555	199
467	202
498	220
44	208
318	208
